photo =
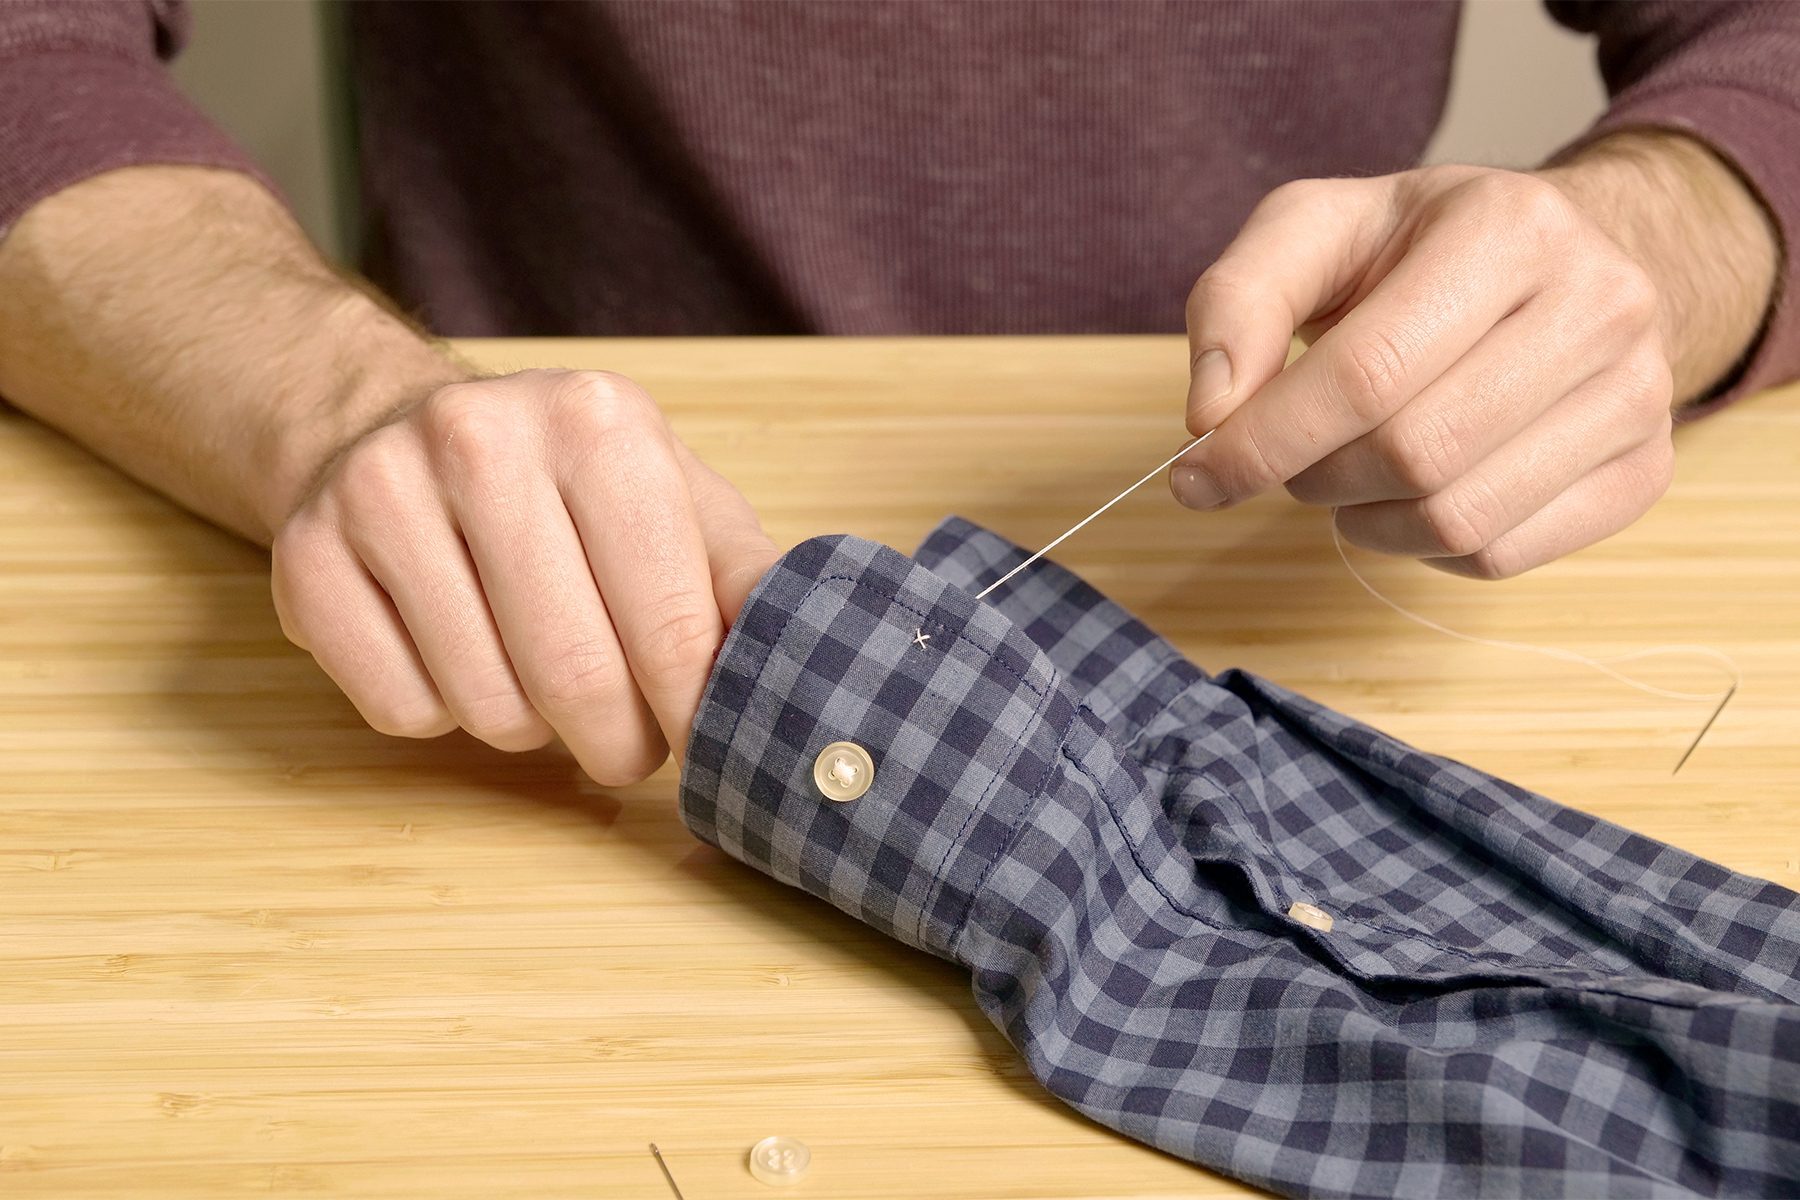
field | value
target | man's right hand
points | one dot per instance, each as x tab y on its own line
528	556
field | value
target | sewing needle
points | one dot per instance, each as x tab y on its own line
1077	527
1723	701
665	1170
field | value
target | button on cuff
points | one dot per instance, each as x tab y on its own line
843	771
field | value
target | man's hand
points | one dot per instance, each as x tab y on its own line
1493	355
523	557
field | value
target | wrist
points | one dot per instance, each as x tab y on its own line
1697	230
176	321
383	368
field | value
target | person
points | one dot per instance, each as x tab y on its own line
1495	354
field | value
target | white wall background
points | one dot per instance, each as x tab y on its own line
259	67
1523	85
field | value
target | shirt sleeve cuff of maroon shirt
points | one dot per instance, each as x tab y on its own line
72	113
1757	135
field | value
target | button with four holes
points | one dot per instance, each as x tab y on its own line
843	771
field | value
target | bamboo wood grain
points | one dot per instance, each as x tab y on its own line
249	947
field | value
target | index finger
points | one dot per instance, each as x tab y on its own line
1447	291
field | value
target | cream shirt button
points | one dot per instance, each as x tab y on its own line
1310	915
778	1160
843	771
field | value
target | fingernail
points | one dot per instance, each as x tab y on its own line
1195	488
1211	381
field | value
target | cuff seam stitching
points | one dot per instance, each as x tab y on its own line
893	596
1012	827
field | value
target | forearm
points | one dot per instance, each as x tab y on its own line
177	322
1701	234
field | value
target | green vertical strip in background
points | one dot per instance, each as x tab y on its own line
341	142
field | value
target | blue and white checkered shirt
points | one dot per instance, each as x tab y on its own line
1512	998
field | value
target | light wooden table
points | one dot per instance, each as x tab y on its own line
248	946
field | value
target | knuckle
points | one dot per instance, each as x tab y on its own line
1530	203
1462	521
294	565
603	399
679	645
1297	194
1254	468
449	411
290	545
613	425
1422	453
1369	373
1626	296
444	409
1647	386
296	555
1645	375
1439	175
307	565
1217	289
471	432
577	678
504	720
378	473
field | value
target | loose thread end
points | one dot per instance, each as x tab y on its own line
1719	657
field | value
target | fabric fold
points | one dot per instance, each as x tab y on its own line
1507	997
845	640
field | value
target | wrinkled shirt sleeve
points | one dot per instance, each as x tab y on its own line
1726	72
1513	997
83	90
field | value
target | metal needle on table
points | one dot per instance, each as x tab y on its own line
1695	744
673	1186
1076	528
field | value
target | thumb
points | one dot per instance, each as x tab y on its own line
738	550
1300	253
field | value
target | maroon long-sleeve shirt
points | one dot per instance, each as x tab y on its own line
877	167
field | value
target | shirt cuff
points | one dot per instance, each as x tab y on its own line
1756	134
67	114
845	640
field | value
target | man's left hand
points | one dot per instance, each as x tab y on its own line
1490	372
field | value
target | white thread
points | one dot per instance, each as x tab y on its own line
1077	527
1720	659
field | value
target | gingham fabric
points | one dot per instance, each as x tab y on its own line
1513	999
